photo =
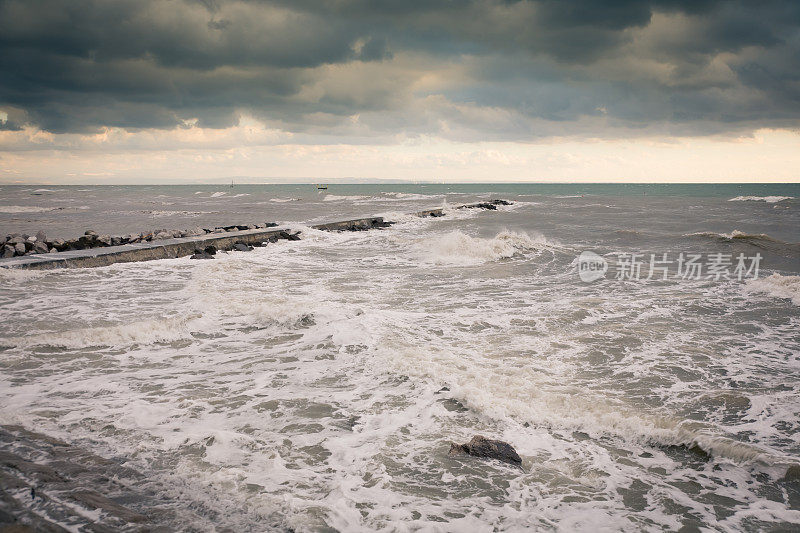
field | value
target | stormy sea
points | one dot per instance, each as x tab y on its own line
317	384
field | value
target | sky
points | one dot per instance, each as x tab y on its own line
188	91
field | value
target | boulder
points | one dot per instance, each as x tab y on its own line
40	236
90	233
88	240
161	235
19	248
242	247
28	245
104	240
482	447
16	239
39	247
7	251
32	238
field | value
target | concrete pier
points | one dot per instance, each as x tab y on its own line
181	247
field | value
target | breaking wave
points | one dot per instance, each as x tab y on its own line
778	286
141	332
459	248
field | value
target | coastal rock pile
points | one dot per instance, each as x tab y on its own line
480	446
17	244
491	205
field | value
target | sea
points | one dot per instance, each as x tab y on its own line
638	345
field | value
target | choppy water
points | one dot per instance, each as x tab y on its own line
300	385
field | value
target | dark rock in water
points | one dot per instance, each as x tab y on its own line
210	249
201	254
289	236
491	205
380	223
7	251
480	446
242	247
90	232
271	225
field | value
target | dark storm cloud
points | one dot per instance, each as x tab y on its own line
702	65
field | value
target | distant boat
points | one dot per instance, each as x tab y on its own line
322	187
231	184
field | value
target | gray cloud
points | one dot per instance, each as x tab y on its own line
372	69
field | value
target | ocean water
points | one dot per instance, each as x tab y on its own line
317	384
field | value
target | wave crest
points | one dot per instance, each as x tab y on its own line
777	286
459	248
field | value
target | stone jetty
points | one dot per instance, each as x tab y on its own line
93	249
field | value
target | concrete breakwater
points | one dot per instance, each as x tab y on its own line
94	250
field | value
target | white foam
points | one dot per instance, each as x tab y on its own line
217	194
778	286
767	199
284	200
336	198
24	209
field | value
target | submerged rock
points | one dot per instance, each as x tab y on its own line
480	446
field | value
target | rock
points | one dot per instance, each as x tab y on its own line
115	240
480	446
40	236
39	247
90	232
289	236
19	248
53	250
133	237
210	249
177	234
161	235
200	254
28	245
242	247
271	225
58	244
17	239
32	238
104	240
7	251
86	241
